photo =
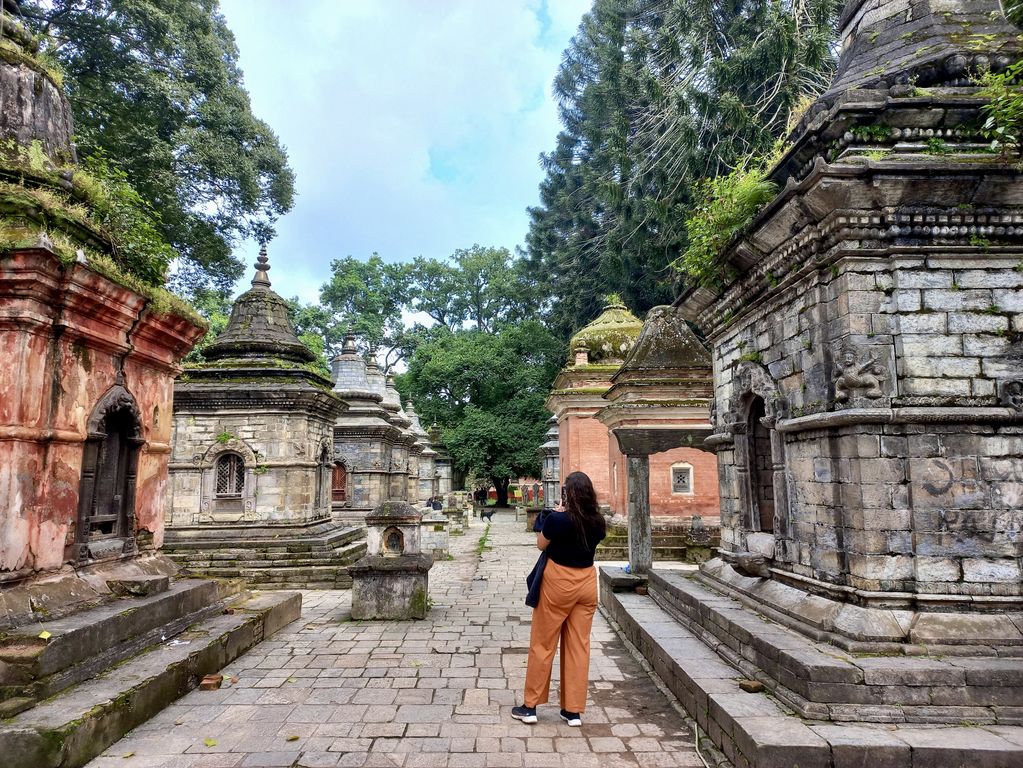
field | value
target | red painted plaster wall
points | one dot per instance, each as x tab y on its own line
584	448
65	333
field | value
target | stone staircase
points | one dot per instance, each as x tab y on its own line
72	686
769	696
310	556
671	543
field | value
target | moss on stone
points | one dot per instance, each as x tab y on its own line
611	335
418	603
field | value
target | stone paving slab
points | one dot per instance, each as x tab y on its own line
328	691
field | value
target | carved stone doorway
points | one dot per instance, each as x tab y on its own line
106	503
761	469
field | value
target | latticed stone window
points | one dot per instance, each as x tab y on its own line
682	478
230	475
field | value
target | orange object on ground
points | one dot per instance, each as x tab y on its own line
568	600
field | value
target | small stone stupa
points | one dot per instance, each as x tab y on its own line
363	436
253	454
392	581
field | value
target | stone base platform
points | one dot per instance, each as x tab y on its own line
312	555
672	542
816	706
108	669
391	588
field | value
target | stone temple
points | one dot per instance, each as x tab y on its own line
616	359
867	362
275	467
253	455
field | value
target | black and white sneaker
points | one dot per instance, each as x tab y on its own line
525	714
572	718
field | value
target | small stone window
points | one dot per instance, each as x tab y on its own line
230	474
682	479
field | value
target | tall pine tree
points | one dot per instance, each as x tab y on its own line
655	95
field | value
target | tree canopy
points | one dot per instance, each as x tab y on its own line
156	90
487	389
655	95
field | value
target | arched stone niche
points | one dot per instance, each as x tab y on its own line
105	526
756	406
392	542
216	508
341	480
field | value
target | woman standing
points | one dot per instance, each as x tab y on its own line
568	600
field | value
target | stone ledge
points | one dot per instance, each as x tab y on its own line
819	680
71	729
757	731
85	643
862	629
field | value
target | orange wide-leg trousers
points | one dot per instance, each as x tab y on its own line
568	600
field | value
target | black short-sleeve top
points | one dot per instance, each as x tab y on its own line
565	547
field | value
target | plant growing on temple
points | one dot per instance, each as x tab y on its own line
156	89
727	205
1003	112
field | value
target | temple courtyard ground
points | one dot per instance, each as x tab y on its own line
327	691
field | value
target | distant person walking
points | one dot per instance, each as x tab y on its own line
568	600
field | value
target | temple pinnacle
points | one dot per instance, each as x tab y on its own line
262	266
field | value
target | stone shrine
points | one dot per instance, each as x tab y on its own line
866	354
427	485
253	455
90	349
658	411
680	480
362	437
392	581
550	473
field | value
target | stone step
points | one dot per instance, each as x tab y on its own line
662	554
758	731
819	680
70	729
81	645
282	540
227	567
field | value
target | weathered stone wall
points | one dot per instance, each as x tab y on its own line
68	337
283	475
368	462
933	507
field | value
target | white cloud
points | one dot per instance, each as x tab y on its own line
414	126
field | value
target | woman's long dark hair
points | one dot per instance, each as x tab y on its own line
581	507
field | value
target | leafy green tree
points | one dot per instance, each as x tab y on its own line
655	95
488	391
155	88
479	286
368	296
215	306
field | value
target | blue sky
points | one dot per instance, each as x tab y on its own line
414	126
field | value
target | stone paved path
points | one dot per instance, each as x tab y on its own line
327	691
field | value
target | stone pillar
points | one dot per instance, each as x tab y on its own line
641	552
